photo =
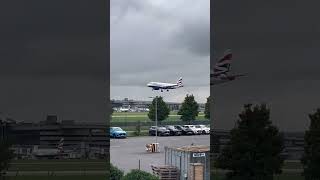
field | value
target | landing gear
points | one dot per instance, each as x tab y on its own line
167	90
161	90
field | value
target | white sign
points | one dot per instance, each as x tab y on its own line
199	154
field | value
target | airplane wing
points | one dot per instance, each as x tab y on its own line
239	75
169	86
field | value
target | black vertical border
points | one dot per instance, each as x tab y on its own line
211	87
107	80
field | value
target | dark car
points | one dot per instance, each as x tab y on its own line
174	131
161	131
185	131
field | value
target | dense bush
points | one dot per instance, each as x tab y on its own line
115	173
139	175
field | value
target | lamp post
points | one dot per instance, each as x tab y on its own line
156	119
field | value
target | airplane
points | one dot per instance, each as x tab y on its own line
221	70
49	153
161	86
123	109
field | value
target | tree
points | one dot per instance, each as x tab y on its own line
189	109
6	154
139	175
207	108
163	110
311	157
115	173
253	151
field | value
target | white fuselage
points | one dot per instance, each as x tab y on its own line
166	86
161	85
46	152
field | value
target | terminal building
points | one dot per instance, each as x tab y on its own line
136	105
293	143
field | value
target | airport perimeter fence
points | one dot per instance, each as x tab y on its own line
160	123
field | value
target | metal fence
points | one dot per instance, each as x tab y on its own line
163	123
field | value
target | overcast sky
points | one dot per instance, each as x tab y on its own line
160	41
53	59
277	43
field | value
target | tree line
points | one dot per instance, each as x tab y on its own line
188	112
189	109
255	146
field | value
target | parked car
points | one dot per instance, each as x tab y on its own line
193	128
161	131
174	131
204	129
184	130
117	132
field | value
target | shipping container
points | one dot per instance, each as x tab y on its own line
182	157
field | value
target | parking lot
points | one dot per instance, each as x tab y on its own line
126	153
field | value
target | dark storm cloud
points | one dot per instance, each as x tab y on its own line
119	9
71	98
52	38
277	44
285	33
195	37
53	59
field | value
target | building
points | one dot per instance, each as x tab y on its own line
136	104
184	158
293	143
90	140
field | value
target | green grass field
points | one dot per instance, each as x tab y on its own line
88	177
290	165
143	117
87	165
142	133
288	176
138	113
52	166
57	165
101	177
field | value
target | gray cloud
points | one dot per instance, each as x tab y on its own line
52	39
277	44
195	37
158	41
53	59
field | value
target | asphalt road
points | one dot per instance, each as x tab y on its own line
126	153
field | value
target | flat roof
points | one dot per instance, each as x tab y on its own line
195	148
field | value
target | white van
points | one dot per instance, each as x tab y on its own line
204	129
193	128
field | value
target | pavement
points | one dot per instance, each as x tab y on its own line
126	153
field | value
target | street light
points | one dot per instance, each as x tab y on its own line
156	109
